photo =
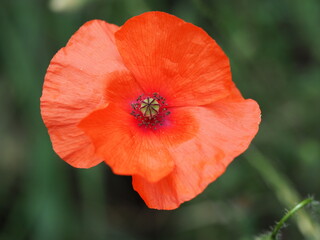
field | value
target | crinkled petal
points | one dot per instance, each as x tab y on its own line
133	150
123	90
74	86
226	130
174	58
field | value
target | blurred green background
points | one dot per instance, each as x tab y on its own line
274	49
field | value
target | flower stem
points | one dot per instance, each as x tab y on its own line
284	191
288	215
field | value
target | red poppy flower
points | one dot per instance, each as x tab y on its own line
153	99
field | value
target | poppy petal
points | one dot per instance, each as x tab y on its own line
74	86
174	58
226	130
130	150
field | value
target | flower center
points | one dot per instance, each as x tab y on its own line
150	111
149	107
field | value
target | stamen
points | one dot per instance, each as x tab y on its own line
150	111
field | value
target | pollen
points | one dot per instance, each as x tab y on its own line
150	111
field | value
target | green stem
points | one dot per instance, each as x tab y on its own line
288	215
284	191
